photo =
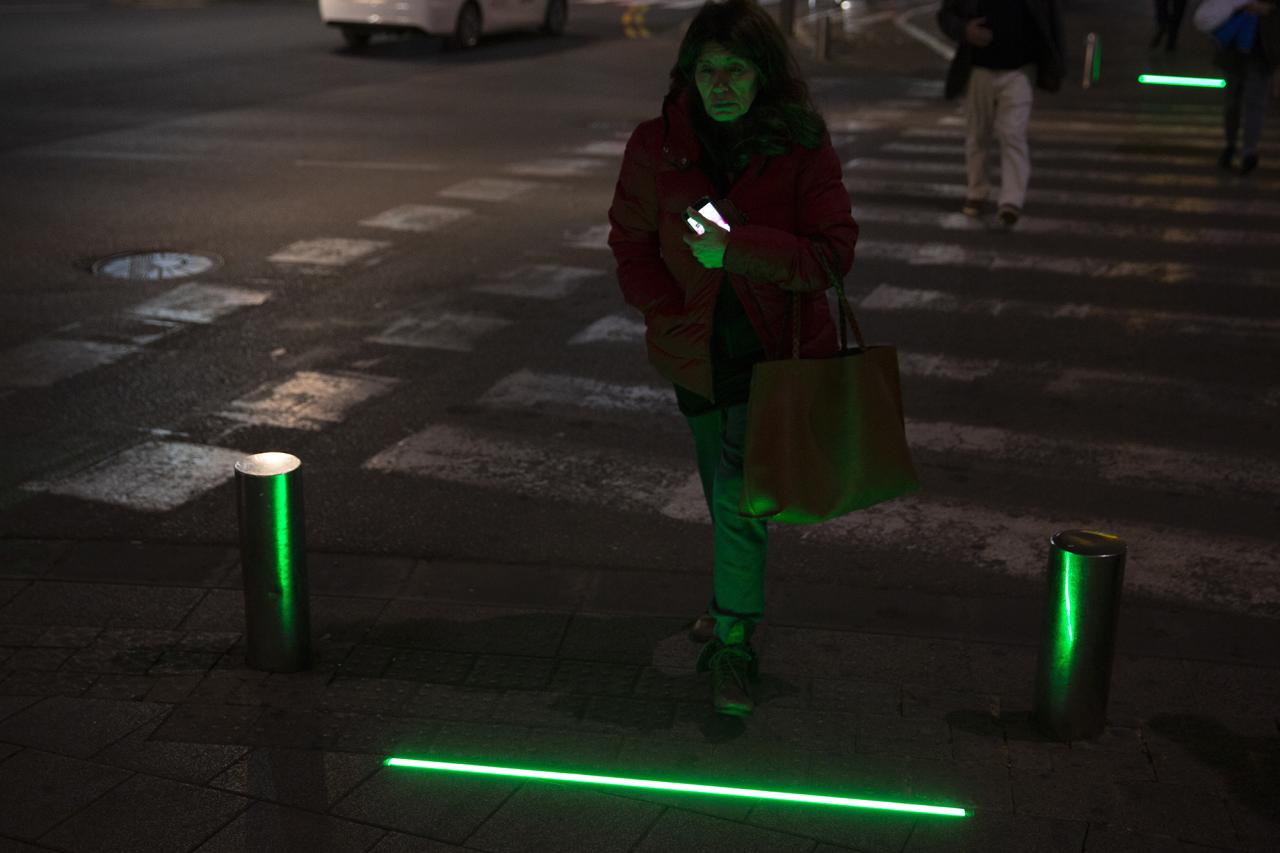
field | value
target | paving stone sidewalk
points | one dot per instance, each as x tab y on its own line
129	721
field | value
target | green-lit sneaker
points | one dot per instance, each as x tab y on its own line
733	668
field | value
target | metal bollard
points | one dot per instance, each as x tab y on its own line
822	38
1077	637
1092	60
273	560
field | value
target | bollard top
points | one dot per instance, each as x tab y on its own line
268	464
1089	543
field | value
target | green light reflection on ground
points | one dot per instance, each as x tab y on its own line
618	781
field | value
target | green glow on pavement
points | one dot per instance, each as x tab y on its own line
1198	82
554	776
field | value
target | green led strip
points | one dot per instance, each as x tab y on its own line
1198	82
686	787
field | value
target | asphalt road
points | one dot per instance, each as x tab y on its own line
411	293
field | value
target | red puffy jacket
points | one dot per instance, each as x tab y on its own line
784	209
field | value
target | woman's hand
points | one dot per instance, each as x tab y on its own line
708	247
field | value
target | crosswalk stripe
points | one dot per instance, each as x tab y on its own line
956	255
416	217
1162	561
1092	126
1079	198
327	252
528	388
1042	154
488	189
155	476
539	281
45	361
885	214
956	168
616	328
887	297
1174	142
199	303
556	167
308	400
445	330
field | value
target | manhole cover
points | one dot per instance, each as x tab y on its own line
154	266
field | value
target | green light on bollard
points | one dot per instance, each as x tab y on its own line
1196	82
685	787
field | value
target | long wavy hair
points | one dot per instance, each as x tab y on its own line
782	113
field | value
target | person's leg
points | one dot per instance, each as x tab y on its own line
979	107
1013	112
740	543
706	431
1231	116
1254	92
1162	21
1179	8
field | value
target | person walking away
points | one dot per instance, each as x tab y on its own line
1247	35
737	126
1169	15
1003	46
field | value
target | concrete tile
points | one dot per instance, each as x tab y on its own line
618	639
25	558
358	575
626	715
921	737
444	806
1114	839
855	695
39	683
398	842
368	695
75	726
1004	669
65	786
1073	794
150	563
146	814
511	672
366	660
541	709
192	723
383	735
70	637
449	702
858	829
564	818
995	832
538	586
217	610
183	762
37	659
681	830
469	629
435	667
295	729
1190	813
343	618
308	779
283	830
106	605
128	687
647	593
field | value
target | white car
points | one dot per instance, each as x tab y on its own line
460	21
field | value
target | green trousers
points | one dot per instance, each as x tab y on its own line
740	543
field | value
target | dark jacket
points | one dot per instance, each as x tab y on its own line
783	210
1267	48
1047	16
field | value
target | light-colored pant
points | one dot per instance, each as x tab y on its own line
999	101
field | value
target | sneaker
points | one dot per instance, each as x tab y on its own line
1008	215
971	207
733	668
1225	158
703	629
1248	163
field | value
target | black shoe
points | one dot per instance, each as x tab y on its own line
1008	215
703	629
1157	38
1224	159
972	207
1248	163
733	667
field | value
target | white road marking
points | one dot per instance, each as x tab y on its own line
528	388
416	217
489	189
616	328
956	255
1033	224
539	281
556	167
1219	397
1236	573
1196	143
369	165
124	327
887	297
307	400
938	366
199	303
156	476
554	469
45	361
1083	198
956	152
1093	126
327	252
603	148
1126	463
595	237
457	332
1080	177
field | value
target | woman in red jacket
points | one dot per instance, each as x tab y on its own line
737	126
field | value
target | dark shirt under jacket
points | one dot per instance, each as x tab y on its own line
1014	38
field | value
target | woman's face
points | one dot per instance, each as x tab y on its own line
726	82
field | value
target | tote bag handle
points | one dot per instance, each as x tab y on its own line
846	313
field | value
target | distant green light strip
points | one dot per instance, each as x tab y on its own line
553	776
1197	82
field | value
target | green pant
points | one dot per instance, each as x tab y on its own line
740	543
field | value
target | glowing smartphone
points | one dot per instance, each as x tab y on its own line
707	209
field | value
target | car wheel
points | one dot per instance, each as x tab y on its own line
356	38
466	32
557	17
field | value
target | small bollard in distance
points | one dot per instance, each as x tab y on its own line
822	39
1092	60
273	561
1077	637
